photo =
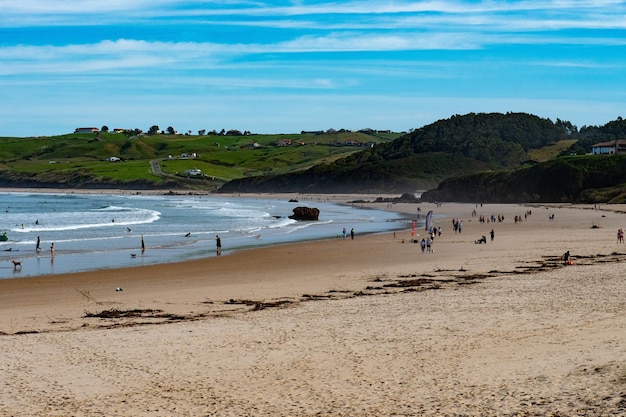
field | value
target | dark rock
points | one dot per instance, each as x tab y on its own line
305	213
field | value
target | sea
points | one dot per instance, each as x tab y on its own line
100	231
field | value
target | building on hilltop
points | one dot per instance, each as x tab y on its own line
609	148
284	142
86	130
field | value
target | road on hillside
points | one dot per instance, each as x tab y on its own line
155	167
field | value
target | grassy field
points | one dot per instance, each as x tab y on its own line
550	152
220	158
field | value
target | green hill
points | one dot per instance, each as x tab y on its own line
512	157
83	160
423	158
582	178
575	179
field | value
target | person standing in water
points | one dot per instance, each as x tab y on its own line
38	247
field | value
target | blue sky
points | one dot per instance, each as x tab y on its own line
287	66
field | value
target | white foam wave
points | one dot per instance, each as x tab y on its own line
114	217
240	212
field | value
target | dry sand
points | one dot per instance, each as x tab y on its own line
363	327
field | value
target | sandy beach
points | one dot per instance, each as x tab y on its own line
369	326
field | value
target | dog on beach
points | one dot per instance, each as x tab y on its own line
17	264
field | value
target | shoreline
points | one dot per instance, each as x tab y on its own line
297	262
72	263
185	192
367	327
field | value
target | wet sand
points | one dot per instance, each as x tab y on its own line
363	327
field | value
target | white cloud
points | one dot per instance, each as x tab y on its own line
76	7
332	55
503	15
377	42
105	55
130	53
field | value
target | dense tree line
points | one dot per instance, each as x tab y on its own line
589	135
496	139
424	157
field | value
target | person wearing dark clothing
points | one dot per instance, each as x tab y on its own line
566	258
218	244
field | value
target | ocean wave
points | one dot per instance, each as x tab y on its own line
101	231
58	222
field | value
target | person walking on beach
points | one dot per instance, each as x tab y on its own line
620	235
218	244
343	232
428	245
493	234
423	245
566	258
352	233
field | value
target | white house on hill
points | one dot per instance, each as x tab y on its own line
609	148
86	130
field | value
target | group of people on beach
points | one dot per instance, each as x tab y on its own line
486	219
426	244
457	225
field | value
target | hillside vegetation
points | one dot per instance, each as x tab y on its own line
82	160
478	157
423	158
574	179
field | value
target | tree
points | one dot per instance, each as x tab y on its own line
170	130
153	130
105	128
201	132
